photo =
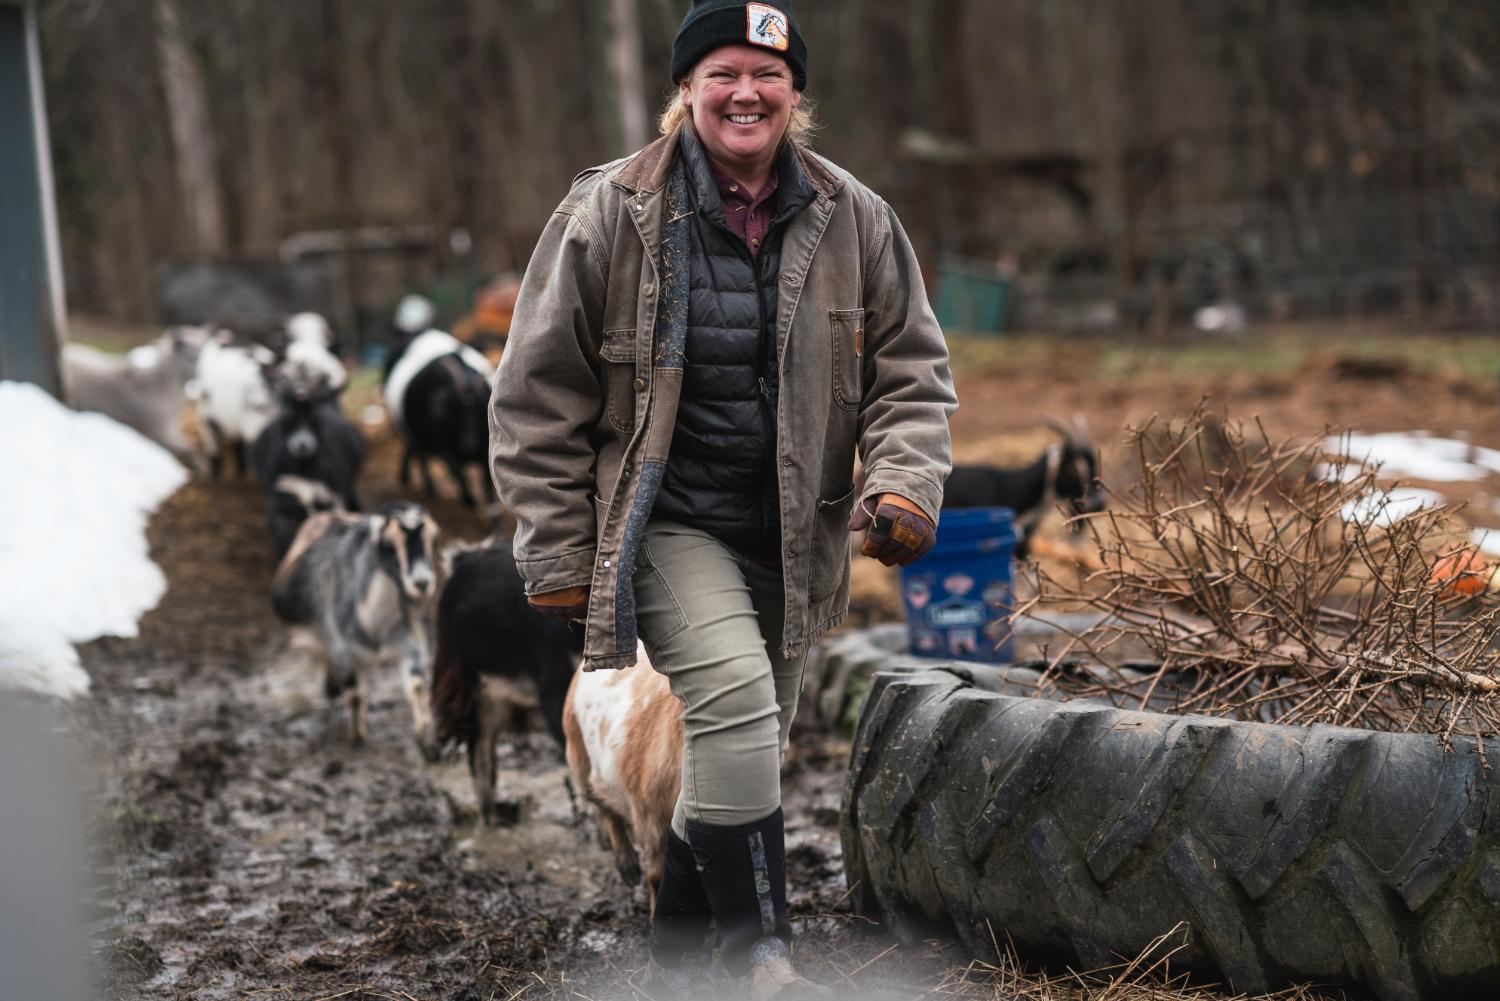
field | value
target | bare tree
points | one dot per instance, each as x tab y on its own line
625	61
192	132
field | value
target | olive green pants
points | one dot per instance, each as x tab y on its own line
711	622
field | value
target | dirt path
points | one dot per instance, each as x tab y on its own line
249	851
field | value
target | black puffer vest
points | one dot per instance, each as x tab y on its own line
721	473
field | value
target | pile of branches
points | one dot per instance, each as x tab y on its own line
1273	581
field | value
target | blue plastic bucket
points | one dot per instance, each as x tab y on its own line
958	597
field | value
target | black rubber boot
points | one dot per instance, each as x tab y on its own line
743	869
683	915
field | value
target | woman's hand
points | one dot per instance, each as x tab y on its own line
899	532
569	603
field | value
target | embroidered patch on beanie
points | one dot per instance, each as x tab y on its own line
766	26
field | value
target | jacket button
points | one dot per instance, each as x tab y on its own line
606	564
649	290
640	384
786	460
789	554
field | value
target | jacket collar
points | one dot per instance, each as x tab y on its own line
649	169
794	191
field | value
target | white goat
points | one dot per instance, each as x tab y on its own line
309	328
310	361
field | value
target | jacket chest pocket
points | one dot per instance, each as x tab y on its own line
620	382
847	330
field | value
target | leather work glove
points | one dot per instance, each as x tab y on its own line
899	531
569	603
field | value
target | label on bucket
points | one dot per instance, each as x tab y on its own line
955	612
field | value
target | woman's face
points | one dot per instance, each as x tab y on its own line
741	98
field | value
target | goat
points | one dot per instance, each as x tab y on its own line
1067	470
293	500
310	366
414	316
624	748
310	440
309	328
354	590
234	399
438	394
496	656
144	389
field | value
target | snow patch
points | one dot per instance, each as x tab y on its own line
1390	506
74	561
1413	455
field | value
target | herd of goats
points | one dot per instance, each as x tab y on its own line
360	592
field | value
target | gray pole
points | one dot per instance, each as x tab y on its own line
32	324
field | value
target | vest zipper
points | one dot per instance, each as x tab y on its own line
769	512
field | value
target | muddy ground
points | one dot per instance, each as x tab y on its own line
245	850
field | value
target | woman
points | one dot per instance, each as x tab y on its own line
706	333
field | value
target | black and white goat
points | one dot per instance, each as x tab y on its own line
355	590
437	393
310	439
1067	471
496	657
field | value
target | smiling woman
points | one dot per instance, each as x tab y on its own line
674	427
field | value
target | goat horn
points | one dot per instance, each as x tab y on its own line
1060	426
1081	435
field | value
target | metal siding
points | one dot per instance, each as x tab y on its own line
28	285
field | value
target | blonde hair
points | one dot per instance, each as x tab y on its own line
800	128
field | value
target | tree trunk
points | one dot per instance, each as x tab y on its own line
192	133
625	63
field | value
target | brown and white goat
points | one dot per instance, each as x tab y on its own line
624	745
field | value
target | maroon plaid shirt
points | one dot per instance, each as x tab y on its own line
748	216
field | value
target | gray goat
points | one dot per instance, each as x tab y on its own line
145	388
355	590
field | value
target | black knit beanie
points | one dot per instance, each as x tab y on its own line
712	23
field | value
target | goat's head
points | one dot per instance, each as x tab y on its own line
406	535
300	411
309	327
1078	469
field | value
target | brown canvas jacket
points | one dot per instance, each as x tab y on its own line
583	406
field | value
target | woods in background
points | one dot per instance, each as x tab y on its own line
1295	158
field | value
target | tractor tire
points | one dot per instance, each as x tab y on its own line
1083	832
840	669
